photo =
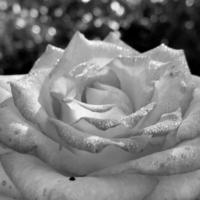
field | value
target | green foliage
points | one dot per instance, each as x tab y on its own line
27	26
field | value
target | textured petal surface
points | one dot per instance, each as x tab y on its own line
168	99
132	73
181	186
54	186
100	120
114	39
7	188
182	158
190	126
81	50
31	95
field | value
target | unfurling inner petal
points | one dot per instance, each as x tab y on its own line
88	72
129	121
132	73
105	94
172	91
168	122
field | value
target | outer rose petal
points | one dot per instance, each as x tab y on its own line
114	39
7	188
181	186
81	50
190	126
5	80
31	95
196	80
23	137
5	90
4	94
168	99
54	186
180	159
164	53
6	198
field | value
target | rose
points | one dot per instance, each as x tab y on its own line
99	120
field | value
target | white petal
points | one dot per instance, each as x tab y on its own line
112	38
81	50
6	79
86	73
172	91
105	94
183	158
179	186
190	126
132	73
31	94
54	186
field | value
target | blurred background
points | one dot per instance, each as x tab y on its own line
26	27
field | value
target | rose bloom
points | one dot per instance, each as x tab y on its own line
99	120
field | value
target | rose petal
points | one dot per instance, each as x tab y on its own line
81	140
6	79
88	72
190	127
81	50
114	39
7	188
105	94
29	138
5	90
167	123
2	197
102	124
4	94
95	144
56	186
49	58
164	53
109	127
17	134
182	158
168	100
73	111
4	149
132	73
179	187
64	87
131	120
31	95
196	81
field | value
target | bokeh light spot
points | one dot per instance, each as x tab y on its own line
20	23
35	29
33	13
16	8
85	1
189	3
3	5
58	12
52	31
98	23
87	18
189	25
43	10
117	8
113	25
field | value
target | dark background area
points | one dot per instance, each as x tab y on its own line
26	27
